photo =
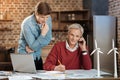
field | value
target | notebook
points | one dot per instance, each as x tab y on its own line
23	63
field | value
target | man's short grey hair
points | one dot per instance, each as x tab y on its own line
76	26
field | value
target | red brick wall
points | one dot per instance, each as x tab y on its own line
114	10
17	10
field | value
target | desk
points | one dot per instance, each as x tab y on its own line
68	74
74	79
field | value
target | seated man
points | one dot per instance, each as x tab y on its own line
70	54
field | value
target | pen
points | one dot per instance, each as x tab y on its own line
59	61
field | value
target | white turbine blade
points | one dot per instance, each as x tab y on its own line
93	51
100	52
113	43
117	52
115	48
95	44
110	51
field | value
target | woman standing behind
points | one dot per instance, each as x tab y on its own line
36	33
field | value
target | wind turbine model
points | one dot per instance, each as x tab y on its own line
115	63
98	58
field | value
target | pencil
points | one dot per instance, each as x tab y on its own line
59	61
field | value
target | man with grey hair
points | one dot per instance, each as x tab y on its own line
71	54
78	26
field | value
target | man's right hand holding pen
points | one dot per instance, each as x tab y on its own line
60	67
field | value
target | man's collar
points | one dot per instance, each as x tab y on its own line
71	49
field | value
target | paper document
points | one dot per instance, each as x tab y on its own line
51	75
81	74
19	77
5	73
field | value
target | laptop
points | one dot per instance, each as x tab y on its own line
23	63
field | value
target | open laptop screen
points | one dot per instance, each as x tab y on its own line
23	63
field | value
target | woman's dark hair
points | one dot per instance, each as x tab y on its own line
43	8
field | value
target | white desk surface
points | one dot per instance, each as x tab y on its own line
68	74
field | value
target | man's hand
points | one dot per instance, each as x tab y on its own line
28	49
44	29
59	68
82	44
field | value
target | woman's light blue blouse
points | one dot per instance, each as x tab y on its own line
31	35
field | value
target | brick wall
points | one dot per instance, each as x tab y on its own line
17	10
114	10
